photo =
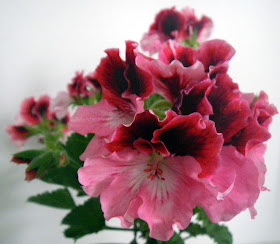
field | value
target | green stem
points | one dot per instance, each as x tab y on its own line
116	228
188	237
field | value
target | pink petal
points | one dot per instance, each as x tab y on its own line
27	111
174	51
245	190
171	79
97	146
18	134
101	118
59	105
142	128
214	53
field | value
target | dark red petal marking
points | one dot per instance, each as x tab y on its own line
110	74
142	128
191	135
139	80
174	51
167	21
27	111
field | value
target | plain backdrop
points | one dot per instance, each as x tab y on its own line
43	43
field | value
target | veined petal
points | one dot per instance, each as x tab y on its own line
101	118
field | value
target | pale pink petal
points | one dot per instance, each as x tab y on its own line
101	119
59	105
242	195
97	146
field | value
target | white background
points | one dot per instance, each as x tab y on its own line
42	44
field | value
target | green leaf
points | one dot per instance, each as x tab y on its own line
219	233
151	100
42	163
37	162
76	145
176	239
84	219
29	154
65	176
60	198
158	104
195	230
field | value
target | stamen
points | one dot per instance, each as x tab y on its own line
154	172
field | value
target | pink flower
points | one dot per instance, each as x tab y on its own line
171	24
170	80
83	86
239	181
124	87
32	112
202	26
144	183
256	129
263	111
175	51
18	134
59	105
186	88
231	112
214	55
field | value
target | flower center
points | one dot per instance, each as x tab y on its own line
154	171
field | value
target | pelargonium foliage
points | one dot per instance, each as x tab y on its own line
156	142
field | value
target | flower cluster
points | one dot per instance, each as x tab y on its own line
33	115
171	133
176	25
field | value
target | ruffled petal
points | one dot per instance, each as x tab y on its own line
171	79
174	51
232	119
192	135
244	190
139	134
262	110
139	80
213	54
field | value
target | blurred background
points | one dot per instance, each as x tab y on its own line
43	43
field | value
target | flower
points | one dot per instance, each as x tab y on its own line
83	86
154	168
124	87
59	105
18	134
171	24
32	112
